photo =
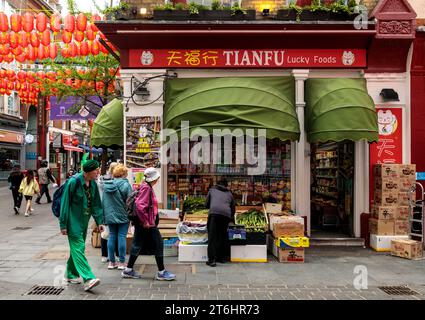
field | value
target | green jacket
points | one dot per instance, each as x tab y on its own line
74	216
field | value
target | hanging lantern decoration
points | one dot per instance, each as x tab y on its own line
30	77
84	48
65	52
22	76
46	52
45	38
40	75
10	86
68	82
79	36
103	49
4	22
16	22
69	23
9	58
94	18
41	22
95	48
28	22
90	34
21	58
24	39
81	22
31	54
51	75
10	74
35	39
55	23
1	59
4	49
40	52
73	49
53	50
13	40
4	38
17	51
66	36
18	87
2	73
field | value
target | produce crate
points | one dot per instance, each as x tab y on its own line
237	235
266	226
171	246
195	217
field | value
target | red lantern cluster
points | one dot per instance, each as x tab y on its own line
27	37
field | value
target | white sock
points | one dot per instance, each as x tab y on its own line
128	269
161	272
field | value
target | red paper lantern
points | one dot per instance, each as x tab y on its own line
90	34
45	37
35	39
69	23
41	22
40	75
68	82
4	38
22	76
16	22
17	51
9	58
103	49
65	52
2	73
95	48
94	18
73	49
4	22
21	58
53	50
79	36
84	48
10	86
81	22
1	59
13	40
75	142
28	22
55	22
18	87
10	74
66	36
40	52
30	77
4	49
31	53
24	39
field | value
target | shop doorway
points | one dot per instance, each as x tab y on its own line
332	195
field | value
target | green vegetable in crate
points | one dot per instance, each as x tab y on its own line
192	204
252	219
201	212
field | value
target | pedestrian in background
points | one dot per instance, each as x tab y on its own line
222	207
15	178
81	200
101	183
44	178
29	187
147	238
115	194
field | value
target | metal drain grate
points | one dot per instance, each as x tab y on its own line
398	291
21	228
45	291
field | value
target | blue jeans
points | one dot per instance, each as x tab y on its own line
119	231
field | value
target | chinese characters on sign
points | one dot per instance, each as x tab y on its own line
389	148
228	58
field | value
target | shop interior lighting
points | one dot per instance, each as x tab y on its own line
143	11
389	95
266	12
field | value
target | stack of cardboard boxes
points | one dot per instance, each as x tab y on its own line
287	242
390	211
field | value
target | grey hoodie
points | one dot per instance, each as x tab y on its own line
220	201
115	194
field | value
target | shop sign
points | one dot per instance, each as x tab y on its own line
11	137
57	140
31	156
237	58
389	148
59	109
420	176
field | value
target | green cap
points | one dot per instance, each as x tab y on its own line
90	165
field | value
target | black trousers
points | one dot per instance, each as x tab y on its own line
104	247
17	197
218	242
44	190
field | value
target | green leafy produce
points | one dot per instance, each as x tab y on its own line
201	212
252	219
192	204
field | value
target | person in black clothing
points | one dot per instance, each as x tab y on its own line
15	179
222	207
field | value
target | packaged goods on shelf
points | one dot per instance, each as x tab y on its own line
409	249
169	214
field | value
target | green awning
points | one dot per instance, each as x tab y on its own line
246	103
339	109
108	128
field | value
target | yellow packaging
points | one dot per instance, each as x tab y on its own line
292	242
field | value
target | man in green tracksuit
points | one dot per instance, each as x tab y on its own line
80	201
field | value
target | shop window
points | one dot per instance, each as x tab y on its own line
274	185
8	158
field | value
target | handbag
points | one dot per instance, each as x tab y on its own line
95	238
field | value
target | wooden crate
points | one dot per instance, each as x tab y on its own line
195	217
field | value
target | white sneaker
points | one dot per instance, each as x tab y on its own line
73	280
91	284
26	214
121	266
112	265
32	210
105	259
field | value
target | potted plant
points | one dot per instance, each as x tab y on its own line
315	12
291	12
120	12
218	12
238	13
339	11
197	11
169	12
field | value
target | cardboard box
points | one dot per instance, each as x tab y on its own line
193	252
273	208
386	199
401	227
287	226
202	218
409	249
248	253
169	214
293	242
291	255
386	184
386	170
384	213
404	198
381	227
402	213
406	184
383	243
407	171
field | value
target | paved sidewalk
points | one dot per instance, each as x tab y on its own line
32	252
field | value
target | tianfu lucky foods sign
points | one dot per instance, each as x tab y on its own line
234	58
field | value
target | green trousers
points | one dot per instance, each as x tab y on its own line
77	264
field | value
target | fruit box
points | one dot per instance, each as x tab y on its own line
386	170
381	227
292	242
384	213
409	249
